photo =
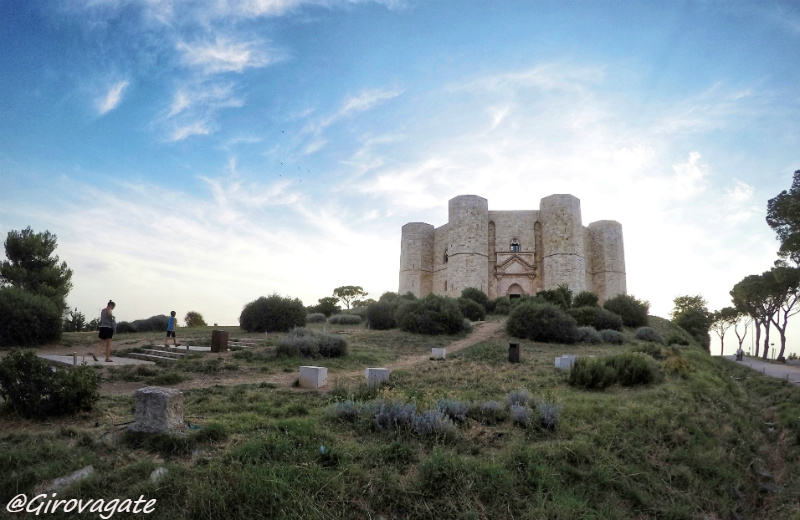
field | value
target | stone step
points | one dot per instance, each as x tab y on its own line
150	357
184	349
161	351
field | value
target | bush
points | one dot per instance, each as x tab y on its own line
305	342
591	374
600	319
455	410
632	311
586	299
561	296
541	322
677	365
476	295
315	317
520	415
380	316
652	350
471	309
648	334
392	415
347	411
519	397
32	388
677	339
125	327
431	315
153	323
632	368
432	422
588	335
489	412
549	412
501	305
344	319
612	336
27	319
272	313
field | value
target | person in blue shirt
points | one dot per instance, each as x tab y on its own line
172	326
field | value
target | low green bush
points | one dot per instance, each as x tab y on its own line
344	319
125	327
626	369
541	322
588	335
612	336
597	317
632	311
501	305
305	342
31	387
153	323
586	299
471	309
591	374
272	313
476	295
432	315
27	319
677	339
649	334
380	315
315	317
653	350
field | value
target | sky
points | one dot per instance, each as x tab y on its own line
199	154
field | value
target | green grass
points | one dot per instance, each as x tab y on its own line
696	445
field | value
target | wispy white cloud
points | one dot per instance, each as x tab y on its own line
194	107
112	97
225	54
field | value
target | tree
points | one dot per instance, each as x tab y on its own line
348	293
784	289
74	320
723	320
363	303
692	315
756	296
194	319
31	266
745	319
327	306
783	216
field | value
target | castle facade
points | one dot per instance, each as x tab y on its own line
511	253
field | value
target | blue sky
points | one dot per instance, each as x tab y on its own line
195	155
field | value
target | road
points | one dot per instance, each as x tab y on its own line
790	373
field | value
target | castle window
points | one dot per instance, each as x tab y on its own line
445	255
515	246
445	285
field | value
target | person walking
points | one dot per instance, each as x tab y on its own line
172	326
107	326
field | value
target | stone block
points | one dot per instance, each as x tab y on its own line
219	341
313	377
565	362
376	376
157	409
438	353
513	352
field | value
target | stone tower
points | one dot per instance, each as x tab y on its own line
510	253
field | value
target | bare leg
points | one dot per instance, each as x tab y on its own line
108	349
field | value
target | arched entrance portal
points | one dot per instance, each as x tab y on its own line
515	291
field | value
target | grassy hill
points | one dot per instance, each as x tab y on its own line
713	442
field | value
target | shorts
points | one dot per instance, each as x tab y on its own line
170	333
106	333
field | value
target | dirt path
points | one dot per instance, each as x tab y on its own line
789	373
481	332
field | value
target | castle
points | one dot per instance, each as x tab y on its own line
511	253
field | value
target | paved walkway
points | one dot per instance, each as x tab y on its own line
116	361
789	373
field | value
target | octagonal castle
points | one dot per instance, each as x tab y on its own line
511	253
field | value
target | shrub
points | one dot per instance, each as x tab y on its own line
501	305
431	315
591	374
632	311
153	323
305	342
32	388
392	415
27	319
588	335
654	351
471	309
194	319
476	295
489	412
586	299
455	410
648	334
347	411
549	412
272	313
561	296
380	316
612	336
344	319
677	339
432	422
315	317
125	327
520	415
632	369
677	365
600	319
519	397
541	322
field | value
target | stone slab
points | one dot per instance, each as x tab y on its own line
376	376
438	353
565	362
157	409
83	358
313	377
